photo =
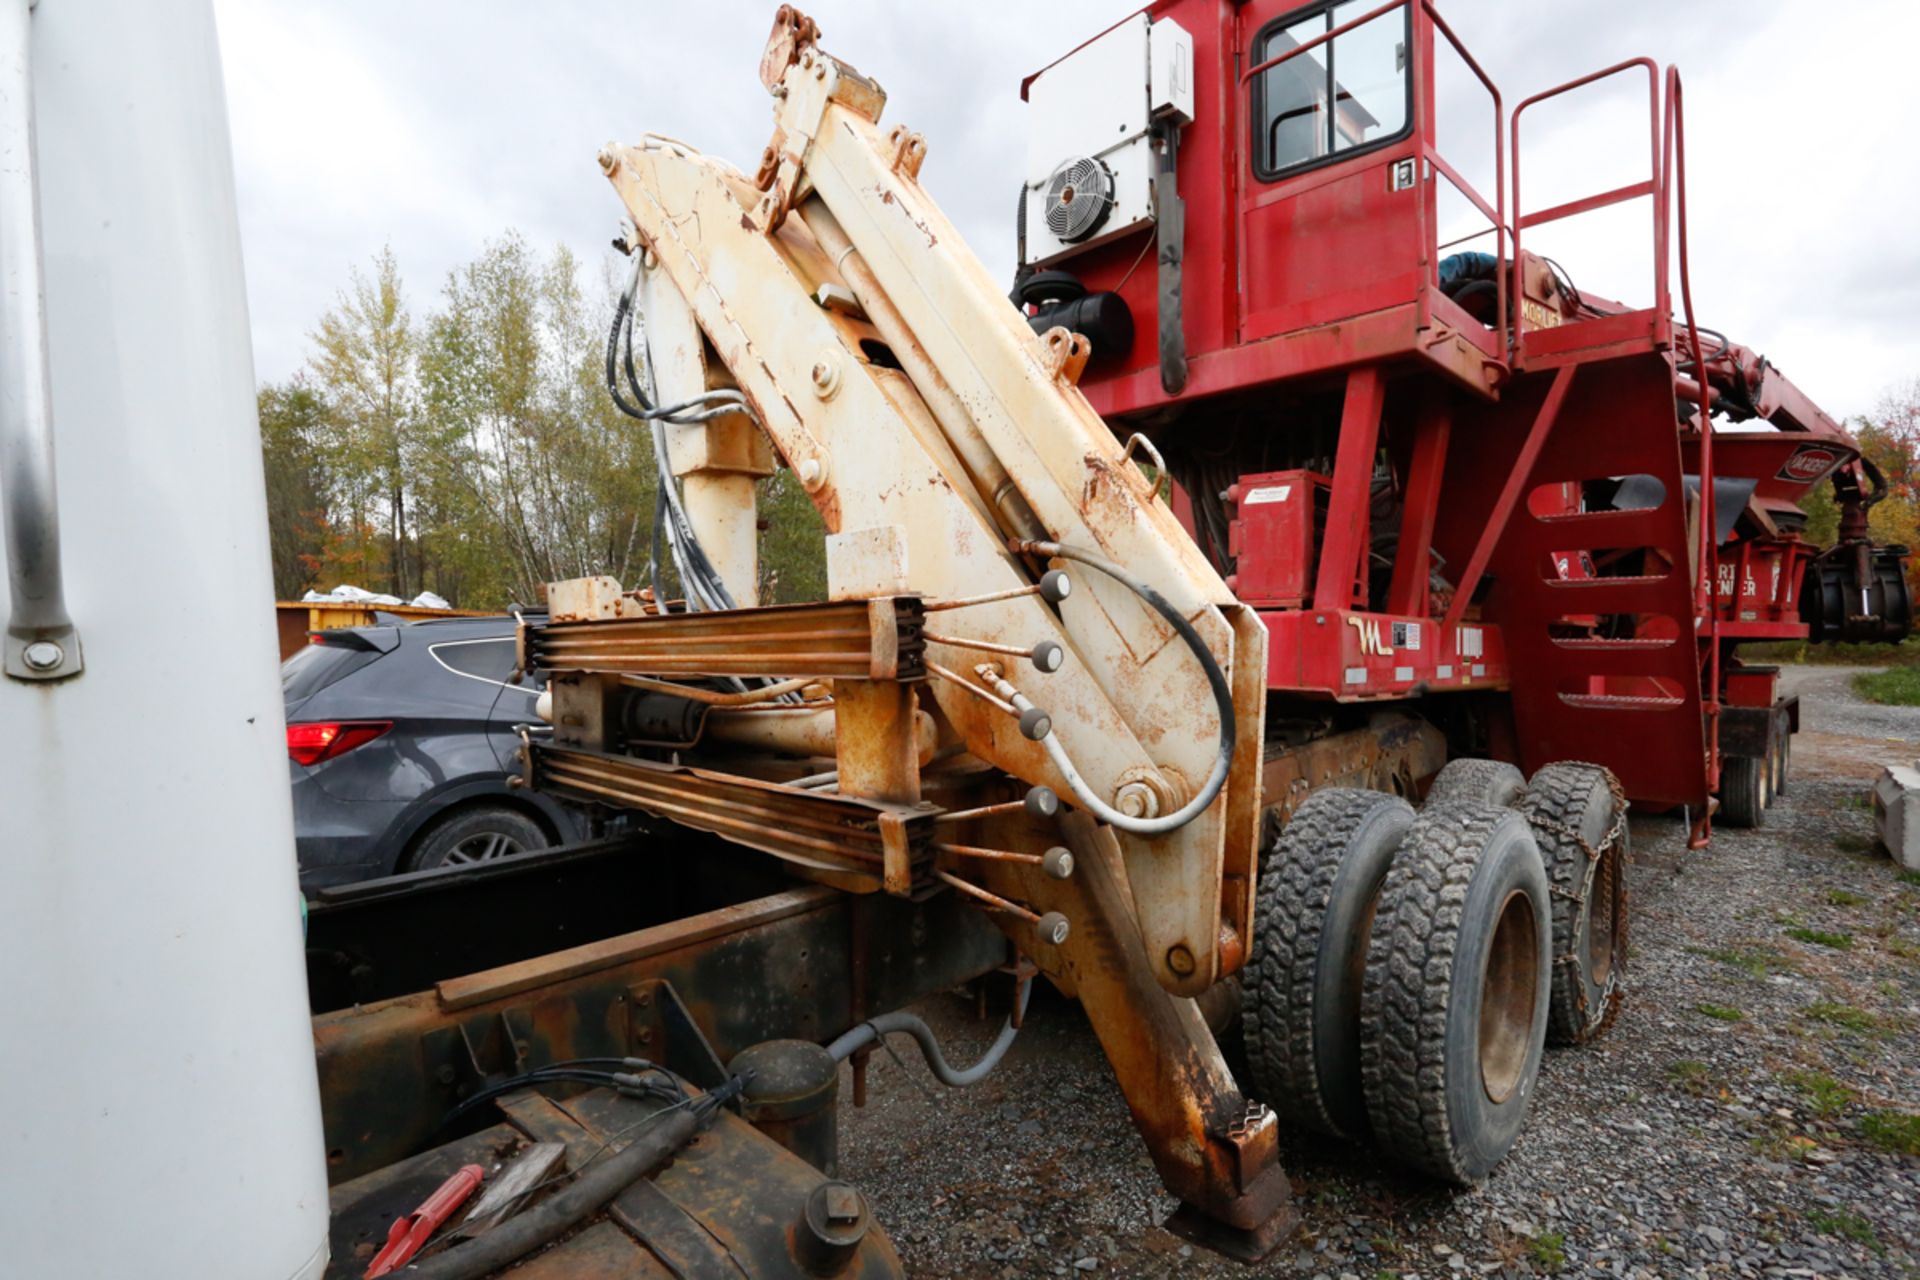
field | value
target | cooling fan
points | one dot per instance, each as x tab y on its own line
1079	198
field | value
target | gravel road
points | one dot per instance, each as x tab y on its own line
1742	1119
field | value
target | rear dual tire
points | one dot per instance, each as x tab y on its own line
1314	916
1490	782
1454	1006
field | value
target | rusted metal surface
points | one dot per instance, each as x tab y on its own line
1212	1146
845	840
472	989
864	639
1396	753
390	1070
981	428
732	1202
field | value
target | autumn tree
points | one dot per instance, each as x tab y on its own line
363	367
293	423
475	452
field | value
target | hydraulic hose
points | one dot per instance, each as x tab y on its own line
871	1031
1216	681
547	1221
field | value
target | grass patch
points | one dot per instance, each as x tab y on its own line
1842	1015
1894	687
1893	1131
1690	1075
1848	842
1905	876
1720	1012
1904	948
1826	1097
1906	653
1822	937
1757	963
1845	1224
1846	897
1548	1250
1782	1147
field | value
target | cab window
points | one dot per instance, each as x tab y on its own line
1346	95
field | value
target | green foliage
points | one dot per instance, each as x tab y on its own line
293	421
1822	938
1842	1015
1721	1012
474	451
1756	963
1846	898
1896	686
1845	1224
1690	1075
1548	1250
793	547
1826	1097
1893	1131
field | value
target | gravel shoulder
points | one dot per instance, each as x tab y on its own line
1742	1119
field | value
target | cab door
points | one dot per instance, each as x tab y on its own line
1330	216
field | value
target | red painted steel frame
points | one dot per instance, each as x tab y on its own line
1328	275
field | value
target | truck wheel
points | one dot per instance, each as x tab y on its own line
1453	1015
1301	991
1579	821
1743	791
1493	782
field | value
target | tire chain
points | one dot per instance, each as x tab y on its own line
1571	959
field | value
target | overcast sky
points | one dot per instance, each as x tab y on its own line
434	125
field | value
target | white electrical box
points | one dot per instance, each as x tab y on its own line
1089	170
1170	72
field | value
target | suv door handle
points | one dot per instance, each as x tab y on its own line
41	641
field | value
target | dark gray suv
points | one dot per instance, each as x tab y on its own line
400	740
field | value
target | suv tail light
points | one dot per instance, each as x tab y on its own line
309	744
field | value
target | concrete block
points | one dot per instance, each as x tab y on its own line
1896	813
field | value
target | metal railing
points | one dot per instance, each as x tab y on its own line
1496	212
41	641
1652	187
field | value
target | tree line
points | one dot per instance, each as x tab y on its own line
1890	439
473	451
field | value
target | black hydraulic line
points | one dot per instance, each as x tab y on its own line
547	1221
1216	681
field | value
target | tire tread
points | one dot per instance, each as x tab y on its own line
1295	887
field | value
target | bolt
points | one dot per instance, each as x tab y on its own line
44	655
1136	800
843	1203
1180	960
608	160
812	473
444	1075
1052	928
825	376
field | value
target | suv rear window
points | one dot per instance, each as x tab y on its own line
319	665
490	660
